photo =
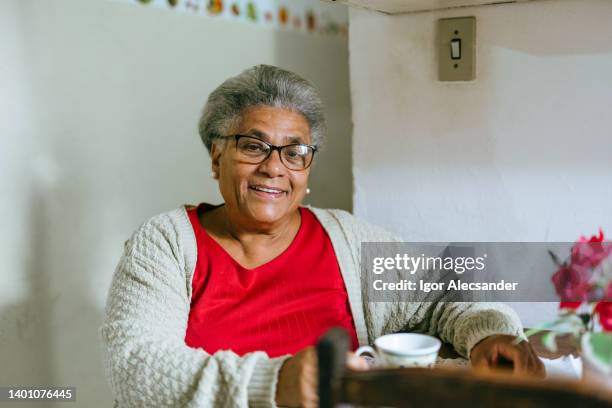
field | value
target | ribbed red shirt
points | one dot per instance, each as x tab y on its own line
279	307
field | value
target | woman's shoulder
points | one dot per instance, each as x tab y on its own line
170	231
351	225
173	222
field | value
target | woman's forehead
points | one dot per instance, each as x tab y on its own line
274	124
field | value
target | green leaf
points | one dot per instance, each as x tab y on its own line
574	322
601	346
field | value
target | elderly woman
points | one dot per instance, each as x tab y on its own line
220	305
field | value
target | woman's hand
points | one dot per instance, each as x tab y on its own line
500	349
298	378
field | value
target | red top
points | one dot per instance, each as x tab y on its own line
279	307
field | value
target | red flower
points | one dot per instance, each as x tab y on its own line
569	305
573	279
608	294
572	283
604	310
590	252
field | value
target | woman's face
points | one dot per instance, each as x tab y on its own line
240	182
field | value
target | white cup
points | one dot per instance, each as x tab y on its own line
403	350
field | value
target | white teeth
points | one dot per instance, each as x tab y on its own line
266	190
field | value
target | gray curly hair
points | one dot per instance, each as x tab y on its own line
260	85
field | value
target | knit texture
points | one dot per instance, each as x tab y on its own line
149	364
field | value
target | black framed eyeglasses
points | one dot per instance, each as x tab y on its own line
252	150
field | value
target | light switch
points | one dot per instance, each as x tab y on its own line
457	49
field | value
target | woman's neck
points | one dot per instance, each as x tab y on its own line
224	225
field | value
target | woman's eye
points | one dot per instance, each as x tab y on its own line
296	152
254	147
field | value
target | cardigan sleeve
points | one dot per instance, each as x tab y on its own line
462	324
147	360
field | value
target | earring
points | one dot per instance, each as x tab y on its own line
213	174
307	191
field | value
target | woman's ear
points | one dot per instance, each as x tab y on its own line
216	151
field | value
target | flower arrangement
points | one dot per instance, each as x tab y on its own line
584	284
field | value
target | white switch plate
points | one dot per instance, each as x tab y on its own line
463	69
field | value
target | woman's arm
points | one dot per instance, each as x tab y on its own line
463	324
148	362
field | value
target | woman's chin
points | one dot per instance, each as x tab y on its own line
267	213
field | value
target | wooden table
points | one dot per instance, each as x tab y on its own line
448	387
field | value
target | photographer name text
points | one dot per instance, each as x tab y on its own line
457	285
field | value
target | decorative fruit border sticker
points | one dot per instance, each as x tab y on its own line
308	16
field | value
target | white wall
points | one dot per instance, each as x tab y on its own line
100	102
523	153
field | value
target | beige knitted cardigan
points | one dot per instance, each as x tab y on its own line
148	363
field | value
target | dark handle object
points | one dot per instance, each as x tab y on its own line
331	355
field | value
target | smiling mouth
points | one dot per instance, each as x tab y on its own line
267	190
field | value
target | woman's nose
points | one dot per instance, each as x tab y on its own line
273	166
